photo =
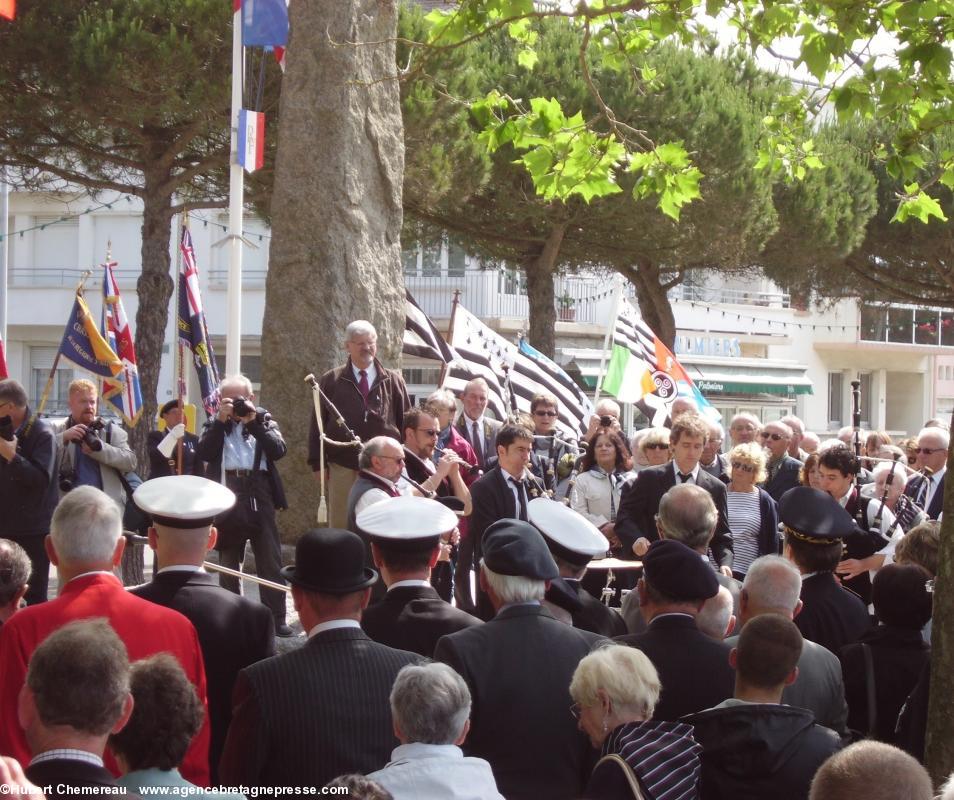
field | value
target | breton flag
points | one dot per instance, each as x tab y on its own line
125	397
421	338
642	370
3	361
193	331
8	8
514	374
84	346
251	140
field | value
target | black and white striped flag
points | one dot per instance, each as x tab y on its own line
421	338
482	353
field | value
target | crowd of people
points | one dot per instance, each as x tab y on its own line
496	610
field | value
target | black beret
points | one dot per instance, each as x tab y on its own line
168	406
513	547
679	572
814	516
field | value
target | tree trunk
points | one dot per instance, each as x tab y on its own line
939	745
653	302
154	288
336	210
539	272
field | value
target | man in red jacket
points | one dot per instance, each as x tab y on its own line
85	544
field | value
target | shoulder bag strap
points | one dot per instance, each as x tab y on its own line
870	689
620	763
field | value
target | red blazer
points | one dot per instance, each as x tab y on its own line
144	627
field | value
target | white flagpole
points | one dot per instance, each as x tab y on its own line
233	338
610	327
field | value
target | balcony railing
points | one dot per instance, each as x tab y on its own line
56	277
931	327
739	297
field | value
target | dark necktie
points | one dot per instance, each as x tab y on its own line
684	476
522	503
363	385
475	441
923	493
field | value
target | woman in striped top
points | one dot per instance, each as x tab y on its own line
615	689
753	515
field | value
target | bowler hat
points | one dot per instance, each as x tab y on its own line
330	560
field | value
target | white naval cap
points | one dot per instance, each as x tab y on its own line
569	535
407	523
183	501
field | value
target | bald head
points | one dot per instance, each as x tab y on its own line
772	585
688	514
874	771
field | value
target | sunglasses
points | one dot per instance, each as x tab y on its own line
743	467
427	431
545	413
773	436
928	450
657	446
399	459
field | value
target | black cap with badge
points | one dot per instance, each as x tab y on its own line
513	547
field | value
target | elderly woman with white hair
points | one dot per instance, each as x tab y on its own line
615	689
430	711
650	448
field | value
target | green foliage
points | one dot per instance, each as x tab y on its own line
907	91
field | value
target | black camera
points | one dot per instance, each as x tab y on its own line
606	421
91	437
241	407
6	428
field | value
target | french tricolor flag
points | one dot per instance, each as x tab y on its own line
251	140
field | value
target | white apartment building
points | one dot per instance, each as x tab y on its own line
742	341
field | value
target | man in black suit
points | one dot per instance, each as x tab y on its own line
815	529
928	490
574	541
406	543
639	502
76	694
772	586
518	667
502	493
233	631
693	669
164	449
307	716
781	467
477	428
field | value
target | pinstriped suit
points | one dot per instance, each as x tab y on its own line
305	717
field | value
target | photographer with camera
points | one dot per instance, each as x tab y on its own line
93	452
241	445
27	481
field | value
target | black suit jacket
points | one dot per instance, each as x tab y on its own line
68	772
639	503
936	506
693	669
159	464
413	618
305	717
233	633
785	478
831	615
488	439
518	667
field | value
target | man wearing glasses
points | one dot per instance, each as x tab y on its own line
781	467
553	453
927	490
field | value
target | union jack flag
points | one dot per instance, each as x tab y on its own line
125	397
193	331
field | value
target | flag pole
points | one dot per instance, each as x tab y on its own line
450	333
180	368
610	326
233	339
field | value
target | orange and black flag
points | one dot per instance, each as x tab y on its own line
8	9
